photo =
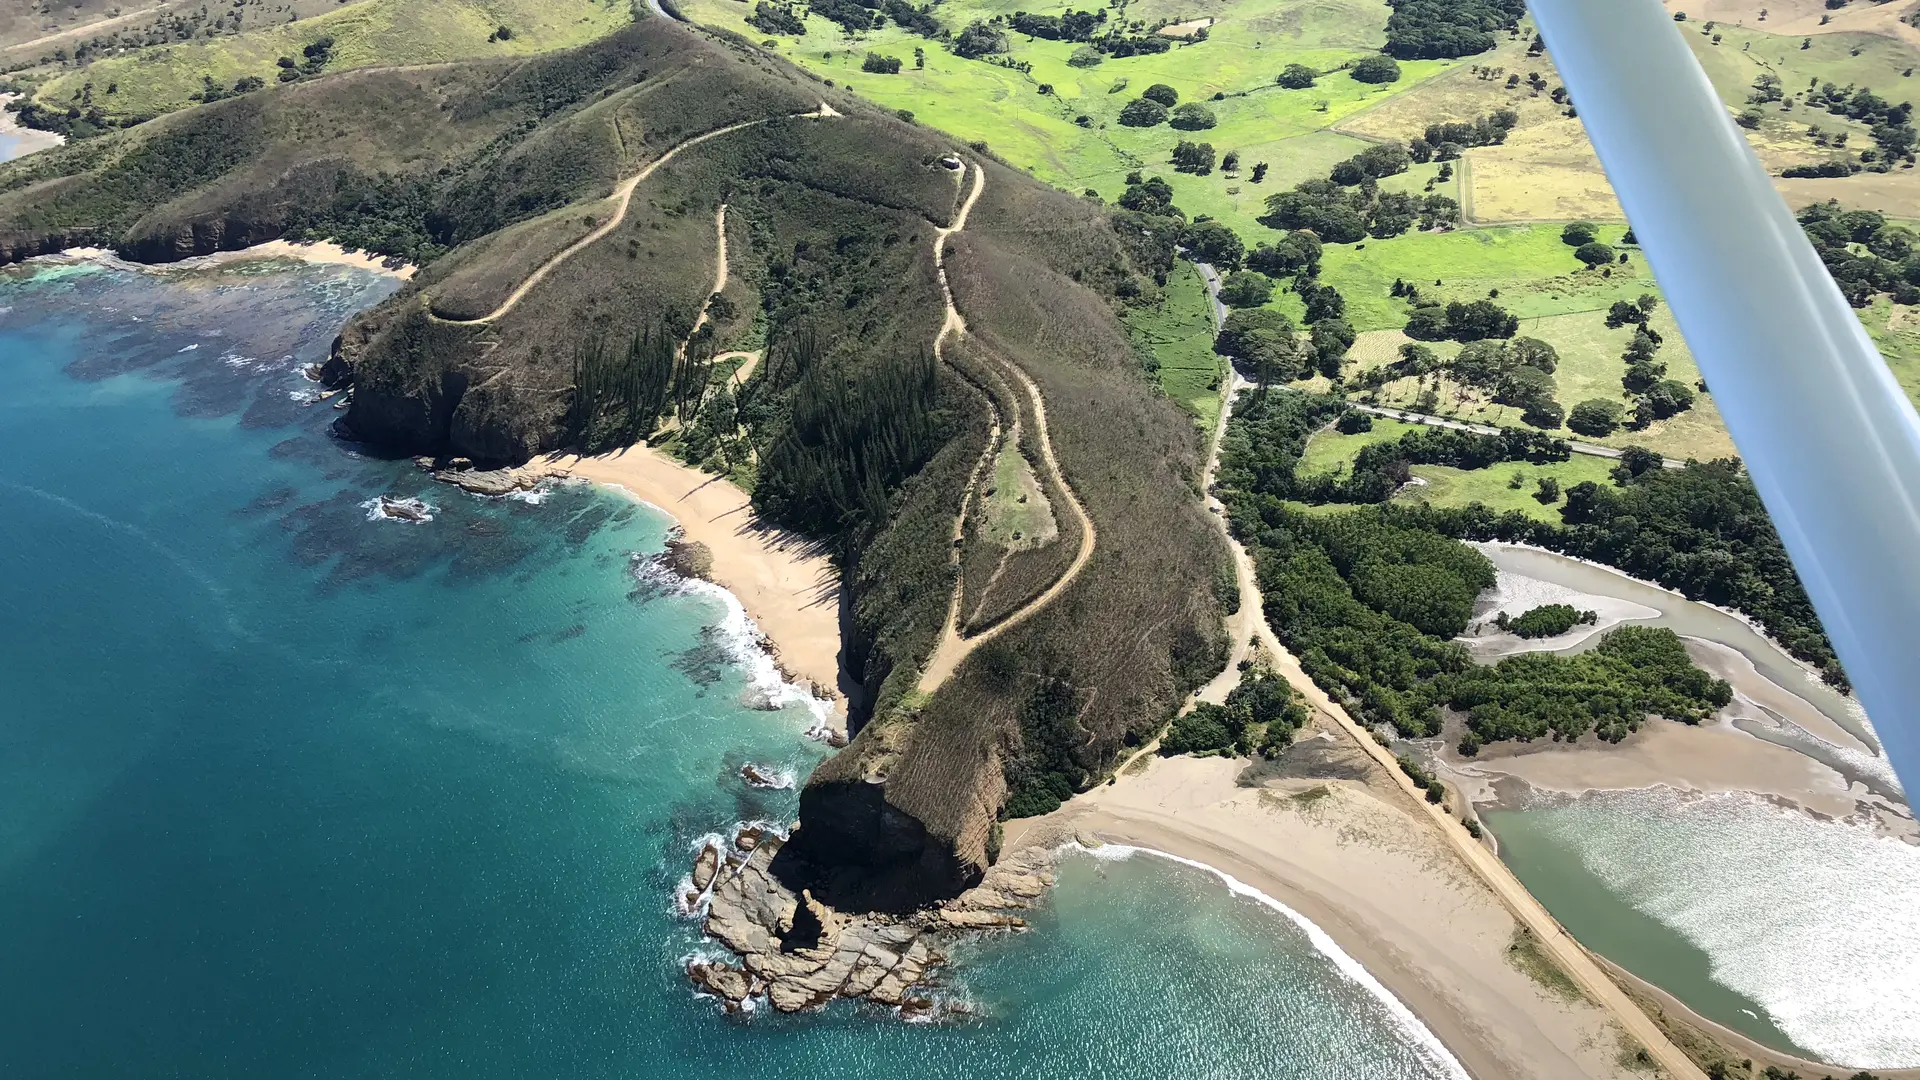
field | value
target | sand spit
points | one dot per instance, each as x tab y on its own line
1341	852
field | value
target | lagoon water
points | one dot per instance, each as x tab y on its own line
1798	932
288	789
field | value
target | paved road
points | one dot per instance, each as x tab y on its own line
1485	429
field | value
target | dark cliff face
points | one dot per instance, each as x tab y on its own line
412	386
857	852
172	241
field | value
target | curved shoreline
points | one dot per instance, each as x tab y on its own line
1429	1046
1358	859
783	582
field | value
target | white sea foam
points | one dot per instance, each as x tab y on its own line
1818	921
750	649
188	348
410	511
1425	1044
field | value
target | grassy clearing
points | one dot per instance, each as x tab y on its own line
374	32
1590	367
1494	486
1018	515
1179	333
1534	271
1330	451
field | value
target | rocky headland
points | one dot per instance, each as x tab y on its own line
798	953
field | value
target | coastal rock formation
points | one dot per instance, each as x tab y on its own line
689	558
763	776
496	483
800	953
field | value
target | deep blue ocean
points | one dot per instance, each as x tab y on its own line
291	790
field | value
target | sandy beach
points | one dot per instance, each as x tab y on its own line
1374	875
786	584
18	141
311	251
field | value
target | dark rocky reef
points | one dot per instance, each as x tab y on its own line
799	951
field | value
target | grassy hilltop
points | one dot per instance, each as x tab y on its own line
120	74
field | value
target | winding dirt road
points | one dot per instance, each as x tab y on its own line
954	647
624	195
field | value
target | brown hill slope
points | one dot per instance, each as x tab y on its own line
552	314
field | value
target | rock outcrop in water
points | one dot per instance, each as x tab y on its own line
799	953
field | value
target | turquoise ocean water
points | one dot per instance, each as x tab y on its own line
291	790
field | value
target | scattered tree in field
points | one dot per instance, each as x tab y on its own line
1295	253
1594	254
776	19
1331	338
1577	233
1086	56
1245	289
1547	490
1230	162
1143	112
1623	313
1668	397
1375	69
977	40
1375	162
1162	93
1259	172
1296	77
877	64
1596	418
1545	415
1354	422
1150	196
1192	116
1192	157
1471	321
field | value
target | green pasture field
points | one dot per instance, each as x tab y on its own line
1179	332
980	101
1447	486
366	34
1590	367
1070	137
1330	451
